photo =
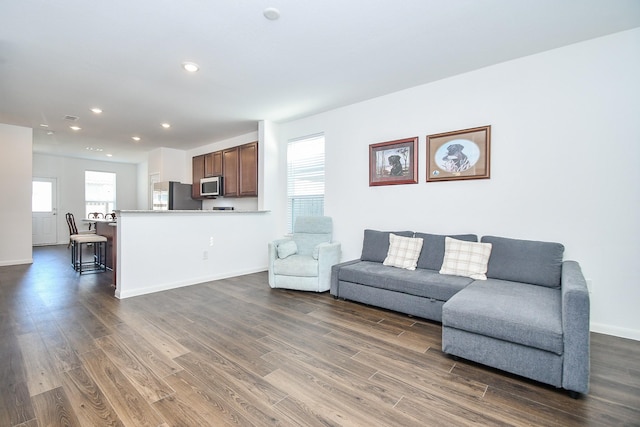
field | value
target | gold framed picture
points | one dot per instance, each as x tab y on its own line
461	154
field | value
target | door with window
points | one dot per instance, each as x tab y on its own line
43	212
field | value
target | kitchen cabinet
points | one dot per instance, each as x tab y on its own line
248	170
213	164
238	167
230	170
240	170
197	175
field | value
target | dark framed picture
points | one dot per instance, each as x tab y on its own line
394	162
462	154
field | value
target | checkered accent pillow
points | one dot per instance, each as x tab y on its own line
403	251
469	259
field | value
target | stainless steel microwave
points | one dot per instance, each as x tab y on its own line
210	187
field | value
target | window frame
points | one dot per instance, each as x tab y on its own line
305	179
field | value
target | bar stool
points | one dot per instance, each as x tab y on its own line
98	263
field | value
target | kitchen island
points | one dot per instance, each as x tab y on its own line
160	250
108	229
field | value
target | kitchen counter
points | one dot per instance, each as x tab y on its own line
208	211
160	250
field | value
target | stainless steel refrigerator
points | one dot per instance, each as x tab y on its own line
171	195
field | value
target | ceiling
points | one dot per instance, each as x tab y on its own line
62	58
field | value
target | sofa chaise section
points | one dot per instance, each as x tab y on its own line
530	318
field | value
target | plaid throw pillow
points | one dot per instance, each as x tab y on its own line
403	252
469	259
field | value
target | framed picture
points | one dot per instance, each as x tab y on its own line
394	162
462	154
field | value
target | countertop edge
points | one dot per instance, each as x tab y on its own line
239	211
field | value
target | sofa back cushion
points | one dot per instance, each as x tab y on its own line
526	261
433	248
375	245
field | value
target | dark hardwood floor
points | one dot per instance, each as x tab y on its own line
235	352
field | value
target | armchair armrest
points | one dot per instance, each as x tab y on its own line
575	326
273	255
328	255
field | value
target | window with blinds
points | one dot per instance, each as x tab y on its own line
305	178
99	192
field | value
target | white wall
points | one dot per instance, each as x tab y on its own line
15	188
165	250
69	173
565	148
168	163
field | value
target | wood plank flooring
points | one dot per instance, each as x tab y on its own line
236	353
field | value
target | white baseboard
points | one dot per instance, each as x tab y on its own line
16	262
166	286
631	334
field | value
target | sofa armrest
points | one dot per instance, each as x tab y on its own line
273	255
575	326
334	290
328	255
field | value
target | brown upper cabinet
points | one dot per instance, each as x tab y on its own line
237	165
248	173
197	174
230	172
213	164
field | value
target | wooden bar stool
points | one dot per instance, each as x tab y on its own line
98	263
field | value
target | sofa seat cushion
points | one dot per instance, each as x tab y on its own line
296	265
419	282
511	311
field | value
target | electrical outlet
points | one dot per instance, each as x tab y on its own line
205	255
211	241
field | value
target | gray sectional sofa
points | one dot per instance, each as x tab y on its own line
530	316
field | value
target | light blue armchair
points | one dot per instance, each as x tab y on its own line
303	261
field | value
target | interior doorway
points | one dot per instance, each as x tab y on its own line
44	212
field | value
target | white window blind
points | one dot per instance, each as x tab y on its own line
99	192
305	178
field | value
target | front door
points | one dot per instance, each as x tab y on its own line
43	212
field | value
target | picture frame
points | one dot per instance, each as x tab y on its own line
459	155
394	162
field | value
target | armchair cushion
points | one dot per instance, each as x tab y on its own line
309	232
296	265
287	248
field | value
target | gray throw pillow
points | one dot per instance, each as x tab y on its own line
433	248
526	261
375	245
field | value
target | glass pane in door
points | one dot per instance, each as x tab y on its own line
41	197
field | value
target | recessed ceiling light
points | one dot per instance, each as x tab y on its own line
190	66
109	155
96	110
166	125
135	138
271	13
76	128
43	125
50	132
